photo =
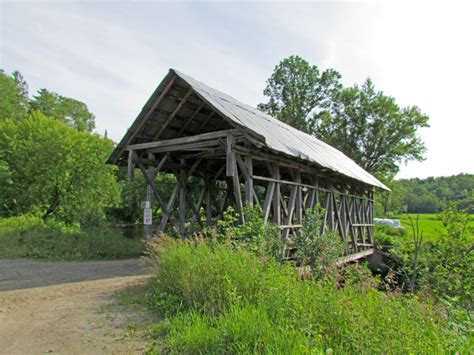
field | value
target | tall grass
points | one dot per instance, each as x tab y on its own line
31	237
218	300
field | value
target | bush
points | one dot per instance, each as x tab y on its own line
30	237
219	300
317	250
252	236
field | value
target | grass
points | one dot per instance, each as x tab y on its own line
217	300
30	237
430	224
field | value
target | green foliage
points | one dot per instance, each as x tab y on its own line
253	235
67	179
296	89
434	194
362	122
30	237
452	265
372	129
13	96
70	111
219	300
317	250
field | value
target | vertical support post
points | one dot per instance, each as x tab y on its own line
231	171
299	199
230	155
131	165
371	216
249	181
182	199
238	195
276	196
149	205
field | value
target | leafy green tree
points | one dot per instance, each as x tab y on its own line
365	124
13	96
372	129
296	89
55	171
73	112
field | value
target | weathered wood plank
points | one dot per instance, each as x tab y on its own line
231	167
131	165
185	140
276	195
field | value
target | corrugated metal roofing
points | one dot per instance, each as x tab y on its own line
280	136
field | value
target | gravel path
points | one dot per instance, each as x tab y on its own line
68	307
22	273
72	318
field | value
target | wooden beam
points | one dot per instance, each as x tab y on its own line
190	119
276	195
237	193
174	113
354	257
206	121
151	182
186	147
184	140
131	165
153	107
231	168
291	209
267	203
182	199
167	210
299	199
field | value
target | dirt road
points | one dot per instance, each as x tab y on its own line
22	273
69	318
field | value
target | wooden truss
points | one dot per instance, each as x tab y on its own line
234	170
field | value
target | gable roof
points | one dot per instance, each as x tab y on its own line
276	135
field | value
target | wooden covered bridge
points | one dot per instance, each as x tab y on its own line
243	156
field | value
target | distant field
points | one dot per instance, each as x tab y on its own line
430	224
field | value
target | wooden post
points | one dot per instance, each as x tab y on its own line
230	156
249	181
149	204
299	199
277	196
131	165
182	200
238	196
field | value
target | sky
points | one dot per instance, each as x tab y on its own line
112	55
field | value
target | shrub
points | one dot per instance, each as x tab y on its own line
317	250
220	300
253	236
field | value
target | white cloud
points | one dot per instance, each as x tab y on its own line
112	55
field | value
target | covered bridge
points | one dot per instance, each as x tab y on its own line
243	156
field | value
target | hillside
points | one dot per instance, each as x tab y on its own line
433	194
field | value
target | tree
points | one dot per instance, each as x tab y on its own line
296	89
73	112
67	179
372	129
365	124
13	96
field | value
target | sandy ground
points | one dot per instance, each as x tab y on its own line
69	318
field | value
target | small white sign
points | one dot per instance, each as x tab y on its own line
146	204
147	217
